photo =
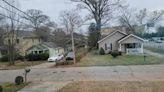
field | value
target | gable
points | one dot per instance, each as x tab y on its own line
131	39
113	36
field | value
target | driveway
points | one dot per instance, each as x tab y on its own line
66	75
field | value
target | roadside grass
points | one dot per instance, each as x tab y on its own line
11	87
115	86
19	64
107	60
156	50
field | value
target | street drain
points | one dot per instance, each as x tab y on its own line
54	72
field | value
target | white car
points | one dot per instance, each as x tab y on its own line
55	58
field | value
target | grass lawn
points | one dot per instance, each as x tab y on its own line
156	50
19	64
10	87
108	60
109	86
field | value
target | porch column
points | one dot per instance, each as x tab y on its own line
142	48
120	47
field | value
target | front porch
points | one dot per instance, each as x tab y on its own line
131	48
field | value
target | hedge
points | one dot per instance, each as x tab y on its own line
37	57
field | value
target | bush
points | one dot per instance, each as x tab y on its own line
102	52
37	57
4	58
44	56
1	88
115	54
81	53
19	80
16	57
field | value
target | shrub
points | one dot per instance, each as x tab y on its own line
44	56
19	80
1	88
115	54
78	57
37	57
4	58
101	51
16	57
81	53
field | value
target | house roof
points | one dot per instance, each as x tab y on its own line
39	47
111	35
131	35
26	34
50	44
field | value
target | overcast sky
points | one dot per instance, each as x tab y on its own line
53	8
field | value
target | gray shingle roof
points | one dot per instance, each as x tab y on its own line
50	44
26	34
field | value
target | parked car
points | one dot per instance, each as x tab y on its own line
55	58
70	56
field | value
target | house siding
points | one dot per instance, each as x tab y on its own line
24	43
111	40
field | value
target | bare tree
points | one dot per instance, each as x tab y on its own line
155	16
36	19
100	10
1	30
127	20
130	18
11	28
141	16
71	20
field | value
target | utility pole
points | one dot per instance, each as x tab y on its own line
73	46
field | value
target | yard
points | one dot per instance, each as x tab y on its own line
11	87
19	64
100	86
156	50
107	60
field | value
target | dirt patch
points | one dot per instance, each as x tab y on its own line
132	86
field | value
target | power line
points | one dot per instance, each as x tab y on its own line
16	8
10	11
13	19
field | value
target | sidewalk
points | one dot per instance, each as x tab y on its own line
45	86
154	54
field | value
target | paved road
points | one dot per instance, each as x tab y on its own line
147	72
53	79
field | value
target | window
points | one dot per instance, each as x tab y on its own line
40	52
36	52
106	46
111	46
9	41
17	41
131	45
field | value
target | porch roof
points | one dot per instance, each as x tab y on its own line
128	36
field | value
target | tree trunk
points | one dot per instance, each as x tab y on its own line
98	29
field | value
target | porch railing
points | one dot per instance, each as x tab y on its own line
134	51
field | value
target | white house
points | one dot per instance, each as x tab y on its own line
120	41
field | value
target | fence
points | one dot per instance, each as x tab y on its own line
154	45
